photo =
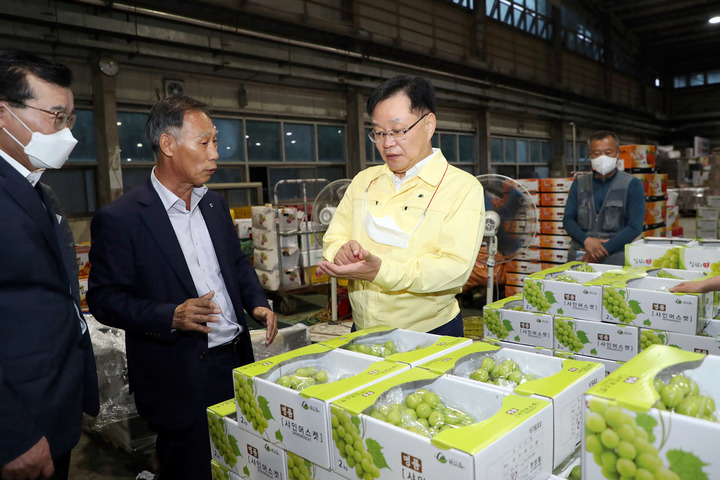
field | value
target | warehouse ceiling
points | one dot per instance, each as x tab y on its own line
674	32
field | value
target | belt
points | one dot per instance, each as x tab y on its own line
230	346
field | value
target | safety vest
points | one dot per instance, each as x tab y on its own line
613	213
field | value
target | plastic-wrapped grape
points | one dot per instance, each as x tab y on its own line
682	395
247	403
381	350
566	336
664	274
303	378
585	268
564	277
506	373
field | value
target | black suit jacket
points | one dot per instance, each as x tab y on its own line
139	276
47	367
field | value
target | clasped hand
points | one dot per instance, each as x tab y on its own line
352	262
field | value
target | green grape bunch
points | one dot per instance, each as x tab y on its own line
619	446
218	473
682	395
647	338
715	268
247	403
422	412
564	277
665	274
534	296
298	468
566	336
382	350
670	259
349	443
493	323
617	307
303	378
506	373
220	440
585	268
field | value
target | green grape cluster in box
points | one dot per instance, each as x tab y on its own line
647	302
561	382
654	417
379	431
655	252
397	345
506	320
285	399
219	471
566	291
596	339
263	460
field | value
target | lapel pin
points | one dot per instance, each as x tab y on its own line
211	205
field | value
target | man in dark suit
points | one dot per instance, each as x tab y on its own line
167	267
47	367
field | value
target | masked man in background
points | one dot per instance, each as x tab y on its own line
47	367
407	233
605	208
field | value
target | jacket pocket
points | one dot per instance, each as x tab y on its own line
26	368
614	216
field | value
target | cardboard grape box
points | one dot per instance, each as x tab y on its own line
532	254
223	449
671	441
297	420
610	365
646	302
553	200
578	300
513	278
561	382
597	339
503	321
263	216
507	435
555	241
706	342
655	252
550	213
519	346
554	255
703	255
267	239
412	347
530	184
552	228
555	184
513	290
519	266
262	460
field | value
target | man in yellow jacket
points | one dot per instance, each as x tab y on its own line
406	233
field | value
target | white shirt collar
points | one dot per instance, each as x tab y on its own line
412	171
32	177
170	200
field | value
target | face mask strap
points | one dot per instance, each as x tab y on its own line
18	119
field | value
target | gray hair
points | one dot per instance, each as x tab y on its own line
168	116
602	134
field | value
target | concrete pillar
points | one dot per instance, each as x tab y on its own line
107	144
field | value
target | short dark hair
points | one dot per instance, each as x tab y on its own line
602	134
16	65
168	116
418	89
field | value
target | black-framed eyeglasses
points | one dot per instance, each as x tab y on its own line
62	119
393	135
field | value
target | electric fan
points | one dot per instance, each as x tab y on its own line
511	221
323	210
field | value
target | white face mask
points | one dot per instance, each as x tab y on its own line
603	164
385	230
46	151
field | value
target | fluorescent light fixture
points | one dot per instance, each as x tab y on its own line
715	20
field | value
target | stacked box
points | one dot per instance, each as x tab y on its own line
637	158
654	184
673	445
706	342
407	347
701	255
655	252
595	339
497	434
297	421
264	218
506	320
707	222
562	383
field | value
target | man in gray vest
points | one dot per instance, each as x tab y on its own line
605	208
